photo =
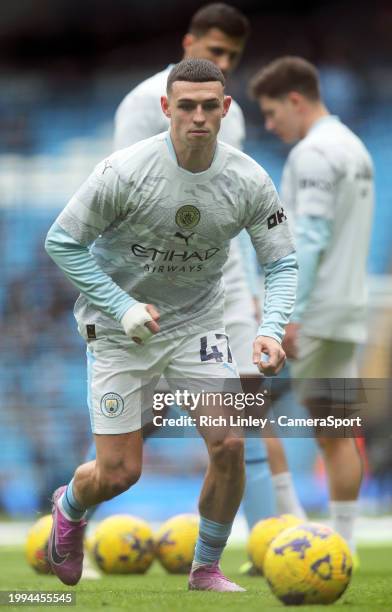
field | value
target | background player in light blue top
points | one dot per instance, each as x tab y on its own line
328	186
149	307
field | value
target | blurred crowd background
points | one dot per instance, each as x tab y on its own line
64	68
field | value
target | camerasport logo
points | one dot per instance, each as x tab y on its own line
188	216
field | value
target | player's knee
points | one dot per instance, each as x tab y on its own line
228	454
130	477
124	481
114	483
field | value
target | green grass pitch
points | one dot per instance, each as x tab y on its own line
370	589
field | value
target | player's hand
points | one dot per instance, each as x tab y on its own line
264	345
290	340
155	316
140	322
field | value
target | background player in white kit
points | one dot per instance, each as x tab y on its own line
328	186
218	32
116	241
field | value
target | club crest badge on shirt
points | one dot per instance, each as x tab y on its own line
188	216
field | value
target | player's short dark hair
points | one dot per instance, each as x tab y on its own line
286	74
194	70
219	15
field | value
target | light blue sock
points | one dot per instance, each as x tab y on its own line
259	497
70	505
211	541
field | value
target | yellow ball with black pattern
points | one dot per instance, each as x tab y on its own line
123	544
308	564
175	543
263	533
36	547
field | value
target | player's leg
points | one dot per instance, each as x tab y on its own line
202	362
220	499
90	456
285	494
282	400
258	500
333	360
147	431
224	481
115	397
344	471
116	468
269	485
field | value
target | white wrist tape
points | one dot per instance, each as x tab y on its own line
134	321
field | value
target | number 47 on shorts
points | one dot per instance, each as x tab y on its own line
213	352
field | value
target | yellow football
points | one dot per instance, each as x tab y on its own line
308	564
123	544
36	547
175	543
262	535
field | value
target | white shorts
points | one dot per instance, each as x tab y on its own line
322	359
122	377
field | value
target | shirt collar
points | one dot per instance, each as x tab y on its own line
323	120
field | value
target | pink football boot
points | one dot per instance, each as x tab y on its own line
65	549
210	578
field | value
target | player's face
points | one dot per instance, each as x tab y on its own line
215	46
281	117
196	111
